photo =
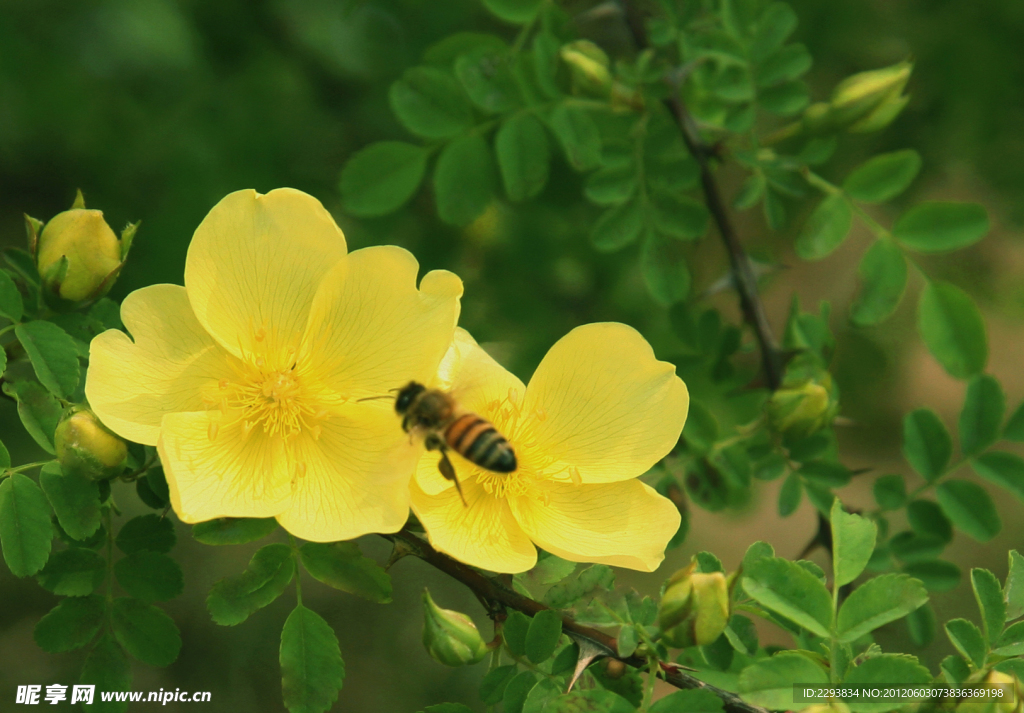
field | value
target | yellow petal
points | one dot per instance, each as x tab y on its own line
229	475
132	385
352	480
612	409
623	524
477	382
484	534
371	329
255	263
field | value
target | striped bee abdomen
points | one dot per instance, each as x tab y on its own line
479	442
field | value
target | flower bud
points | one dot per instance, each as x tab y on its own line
78	255
86	447
860	95
1010	701
834	705
694	610
806	403
588	64
451	637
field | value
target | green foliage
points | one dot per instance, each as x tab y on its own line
543	635
234	598
146	532
934	227
312	670
145	631
883	177
382	177
53	355
790	590
341	565
25	530
883	274
953	330
233	530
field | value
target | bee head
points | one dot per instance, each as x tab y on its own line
407	394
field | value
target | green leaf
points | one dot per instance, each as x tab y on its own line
913	547
610	186
750	192
145	631
921	625
514	632
955	669
790	590
936	226
880	671
341	565
524	156
550	569
890	492
39	411
146	532
107	668
11	305
790	495
883	275
380	178
485	75
74	572
617	227
71	624
234	598
952	327
312	670
430	103
544	692
742	634
876	603
233	530
970	508
883	177
826	228
1014	429
26	532
853	541
926	518
593	701
518	12
927	445
989	596
936	575
1012	667
578	135
679	216
967	639
566	593
693	701
770	682
1011	642
464	180
774	210
517	690
664	269
492	687
1003	469
75	500
787	64
775	24
53	355
447	708
1013	591
149	576
982	414
785	99
543	634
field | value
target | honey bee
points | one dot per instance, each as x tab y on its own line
436	414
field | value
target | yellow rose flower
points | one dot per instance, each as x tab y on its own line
599	411
246	378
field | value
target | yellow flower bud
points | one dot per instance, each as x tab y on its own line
78	255
817	117
589	66
450	637
694	610
806	403
86	447
833	706
1011	700
857	96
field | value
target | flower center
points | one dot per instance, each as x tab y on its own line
272	400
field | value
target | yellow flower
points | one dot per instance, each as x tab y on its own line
599	411
246	379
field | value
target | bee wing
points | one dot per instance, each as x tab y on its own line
472	378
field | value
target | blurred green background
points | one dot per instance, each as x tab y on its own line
156	109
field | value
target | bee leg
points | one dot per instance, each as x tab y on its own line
448	471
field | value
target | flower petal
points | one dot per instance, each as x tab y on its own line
623	524
230	475
132	385
484	534
355	476
611	409
371	330
255	263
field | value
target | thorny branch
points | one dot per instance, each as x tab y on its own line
496	598
742	272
